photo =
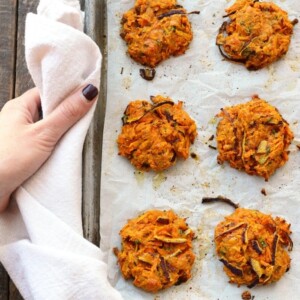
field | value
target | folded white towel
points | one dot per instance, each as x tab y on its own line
41	243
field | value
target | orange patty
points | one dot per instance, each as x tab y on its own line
156	250
154	135
253	137
155	30
258	33
251	245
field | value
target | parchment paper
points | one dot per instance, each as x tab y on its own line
206	83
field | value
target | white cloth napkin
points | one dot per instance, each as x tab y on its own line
41	243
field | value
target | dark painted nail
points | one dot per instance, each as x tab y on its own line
90	92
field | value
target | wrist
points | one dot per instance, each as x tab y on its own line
5	186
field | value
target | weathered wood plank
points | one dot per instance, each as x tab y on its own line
82	4
8	12
4	284
95	27
23	79
14	294
8	17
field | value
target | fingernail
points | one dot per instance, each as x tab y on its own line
90	92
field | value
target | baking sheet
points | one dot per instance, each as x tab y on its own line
206	83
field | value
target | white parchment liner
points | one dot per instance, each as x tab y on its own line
206	83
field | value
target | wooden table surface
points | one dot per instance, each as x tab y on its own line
14	80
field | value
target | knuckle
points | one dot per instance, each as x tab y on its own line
45	138
13	112
69	110
9	105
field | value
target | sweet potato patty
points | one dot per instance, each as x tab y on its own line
156	250
253	137
154	30
251	245
258	33
154	135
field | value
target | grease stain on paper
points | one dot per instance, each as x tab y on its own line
140	177
158	179
126	83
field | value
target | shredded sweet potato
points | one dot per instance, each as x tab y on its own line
155	30
251	245
154	135
253	137
258	33
156	250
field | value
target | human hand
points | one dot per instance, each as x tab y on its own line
27	142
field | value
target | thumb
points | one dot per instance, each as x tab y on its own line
67	113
